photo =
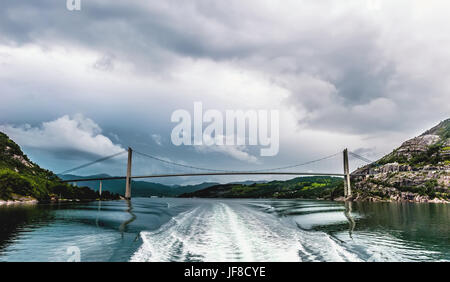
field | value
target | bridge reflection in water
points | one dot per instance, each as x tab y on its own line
348	215
123	226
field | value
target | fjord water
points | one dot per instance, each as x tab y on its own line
169	229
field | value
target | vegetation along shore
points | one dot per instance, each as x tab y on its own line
22	181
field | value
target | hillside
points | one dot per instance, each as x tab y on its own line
139	188
300	187
23	180
144	188
418	170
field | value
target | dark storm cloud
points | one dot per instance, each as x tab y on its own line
345	69
137	32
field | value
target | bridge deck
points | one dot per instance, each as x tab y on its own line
207	174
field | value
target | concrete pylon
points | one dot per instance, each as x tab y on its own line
347	184
128	180
100	190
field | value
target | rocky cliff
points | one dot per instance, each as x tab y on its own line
419	170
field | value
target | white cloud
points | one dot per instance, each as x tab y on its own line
237	152
157	138
66	133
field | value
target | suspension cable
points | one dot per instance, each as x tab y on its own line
361	157
209	169
93	162
174	163
300	164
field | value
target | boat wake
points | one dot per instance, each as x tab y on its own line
230	231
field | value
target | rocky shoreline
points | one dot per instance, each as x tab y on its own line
403	197
18	202
35	201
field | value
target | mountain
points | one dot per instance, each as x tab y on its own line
23	180
138	188
143	188
418	170
300	187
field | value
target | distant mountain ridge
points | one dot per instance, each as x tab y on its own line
325	187
143	188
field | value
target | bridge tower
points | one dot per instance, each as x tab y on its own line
347	184
128	179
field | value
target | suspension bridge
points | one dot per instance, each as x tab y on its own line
216	172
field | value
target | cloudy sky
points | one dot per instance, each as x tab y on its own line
79	85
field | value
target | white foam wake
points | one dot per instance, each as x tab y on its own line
218	231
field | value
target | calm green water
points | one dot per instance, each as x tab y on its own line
169	229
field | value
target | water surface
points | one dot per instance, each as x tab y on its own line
169	229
